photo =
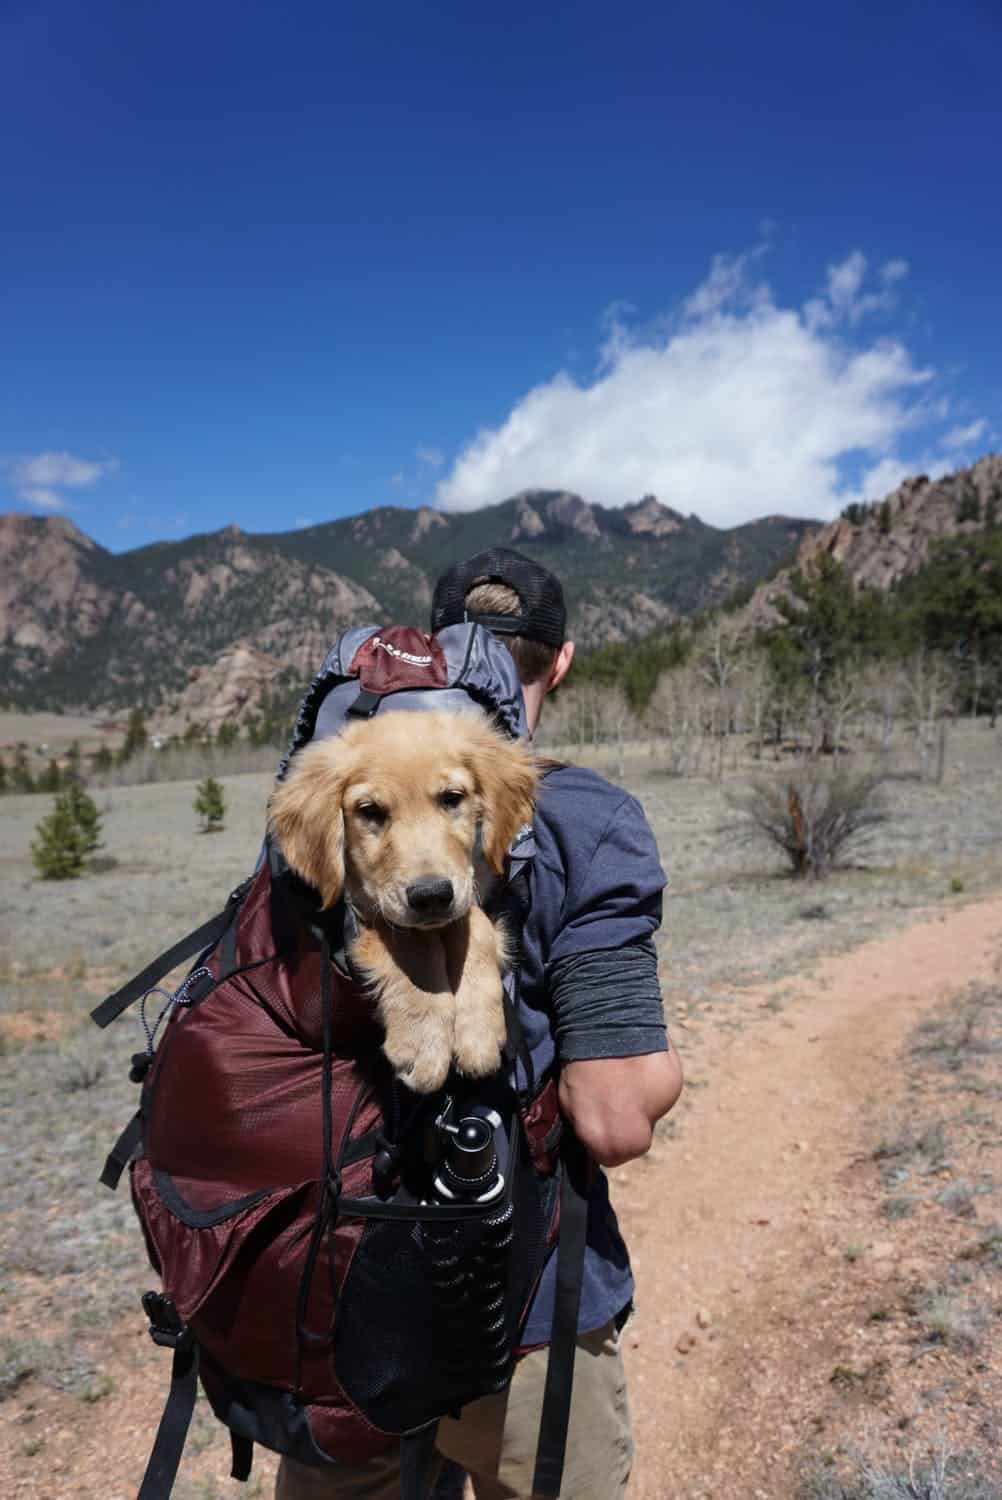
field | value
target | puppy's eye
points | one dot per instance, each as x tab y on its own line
371	813
452	798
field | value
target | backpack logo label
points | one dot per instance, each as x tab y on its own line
378	644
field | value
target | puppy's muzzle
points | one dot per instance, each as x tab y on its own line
431	899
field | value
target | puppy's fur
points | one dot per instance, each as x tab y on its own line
389	812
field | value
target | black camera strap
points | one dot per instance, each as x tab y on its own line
563	1338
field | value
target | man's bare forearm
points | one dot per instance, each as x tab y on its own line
614	1103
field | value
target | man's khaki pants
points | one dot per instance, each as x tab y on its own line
495	1438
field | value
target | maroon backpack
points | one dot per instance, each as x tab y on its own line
343	1262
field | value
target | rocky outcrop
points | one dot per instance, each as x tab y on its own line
425	520
49	595
650	518
528	523
878	544
598	624
226	691
883	543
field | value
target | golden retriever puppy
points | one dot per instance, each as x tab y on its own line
394	812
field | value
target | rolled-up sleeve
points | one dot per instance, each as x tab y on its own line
602	976
607	1003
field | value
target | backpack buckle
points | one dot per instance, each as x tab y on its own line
166	1327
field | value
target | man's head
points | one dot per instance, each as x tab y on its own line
521	603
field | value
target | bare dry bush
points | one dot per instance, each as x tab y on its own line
815	819
941	1476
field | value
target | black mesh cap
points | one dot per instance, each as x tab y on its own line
543	616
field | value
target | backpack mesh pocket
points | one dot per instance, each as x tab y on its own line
430	1311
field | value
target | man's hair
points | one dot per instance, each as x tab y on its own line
532	658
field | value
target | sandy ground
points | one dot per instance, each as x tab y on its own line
742	1225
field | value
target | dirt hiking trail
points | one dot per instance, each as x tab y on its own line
739	1223
738	1228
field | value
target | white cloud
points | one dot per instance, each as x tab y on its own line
45	499
894	270
958	439
845	301
40	479
736	407
433	457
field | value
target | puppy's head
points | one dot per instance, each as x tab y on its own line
390	810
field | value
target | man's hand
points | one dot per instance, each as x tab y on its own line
614	1103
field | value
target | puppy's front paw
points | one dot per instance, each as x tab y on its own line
423	1066
479	1039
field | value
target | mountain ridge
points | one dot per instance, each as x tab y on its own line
85	628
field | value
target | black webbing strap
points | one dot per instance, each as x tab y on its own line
365	705
563	1338
161	1471
121	1152
242	1451
203	937
325	1222
417	1461
518	899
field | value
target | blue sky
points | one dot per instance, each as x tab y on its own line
275	264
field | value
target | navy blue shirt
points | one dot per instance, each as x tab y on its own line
596	885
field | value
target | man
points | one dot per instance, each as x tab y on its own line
591	1007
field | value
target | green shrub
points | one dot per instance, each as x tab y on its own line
135	736
102	759
59	851
49	780
85	814
210	805
21	779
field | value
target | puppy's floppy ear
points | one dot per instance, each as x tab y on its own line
506	781
304	814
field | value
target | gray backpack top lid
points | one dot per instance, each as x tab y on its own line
372	669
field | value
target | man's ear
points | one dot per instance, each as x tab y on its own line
561	666
506	780
304	814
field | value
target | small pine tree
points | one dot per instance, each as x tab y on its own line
84	812
135	735
20	776
50	779
72	772
885	517
210	805
226	734
3	776
59	851
102	759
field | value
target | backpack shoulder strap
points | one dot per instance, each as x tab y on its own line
556	1409
203	938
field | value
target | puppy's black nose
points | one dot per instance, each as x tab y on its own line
431	897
